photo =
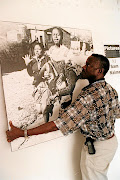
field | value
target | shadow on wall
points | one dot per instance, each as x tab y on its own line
77	147
79	138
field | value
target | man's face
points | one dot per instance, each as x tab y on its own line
90	70
56	36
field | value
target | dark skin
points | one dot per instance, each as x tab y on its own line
15	132
91	71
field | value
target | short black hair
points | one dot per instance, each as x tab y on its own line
60	31
103	61
32	46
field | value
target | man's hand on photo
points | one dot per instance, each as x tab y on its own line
14	132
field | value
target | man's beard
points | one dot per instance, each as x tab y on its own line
83	75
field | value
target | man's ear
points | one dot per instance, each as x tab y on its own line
101	71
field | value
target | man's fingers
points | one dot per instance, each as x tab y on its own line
8	136
11	124
11	134
8	140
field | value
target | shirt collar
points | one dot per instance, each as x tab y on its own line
97	81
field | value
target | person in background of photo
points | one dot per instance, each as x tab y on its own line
61	58
94	113
58	51
36	60
34	64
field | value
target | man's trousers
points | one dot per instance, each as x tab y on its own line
95	167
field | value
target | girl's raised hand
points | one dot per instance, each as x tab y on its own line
27	59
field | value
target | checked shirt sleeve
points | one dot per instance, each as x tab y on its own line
74	116
94	112
117	110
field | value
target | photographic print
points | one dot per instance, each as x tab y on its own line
112	52
40	67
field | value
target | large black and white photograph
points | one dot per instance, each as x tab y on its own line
41	65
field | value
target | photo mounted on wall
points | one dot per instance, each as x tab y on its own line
40	67
112	52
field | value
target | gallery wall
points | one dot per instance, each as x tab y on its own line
57	159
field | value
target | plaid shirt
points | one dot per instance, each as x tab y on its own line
93	112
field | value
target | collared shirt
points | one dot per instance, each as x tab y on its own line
94	112
59	53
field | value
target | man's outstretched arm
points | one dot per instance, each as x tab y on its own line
15	132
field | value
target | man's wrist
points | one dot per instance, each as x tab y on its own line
25	134
21	133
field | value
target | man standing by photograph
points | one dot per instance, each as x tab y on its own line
94	112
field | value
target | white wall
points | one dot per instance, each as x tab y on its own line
57	159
